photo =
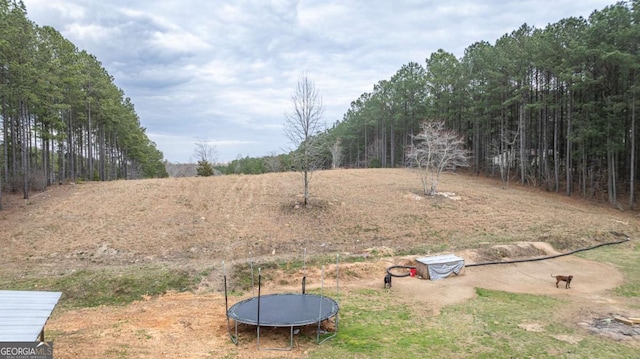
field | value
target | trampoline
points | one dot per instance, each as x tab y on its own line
284	310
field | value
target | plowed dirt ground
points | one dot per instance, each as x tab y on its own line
199	223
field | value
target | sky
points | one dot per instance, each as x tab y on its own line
223	72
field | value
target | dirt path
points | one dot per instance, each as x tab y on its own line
529	277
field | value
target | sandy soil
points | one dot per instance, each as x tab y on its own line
198	223
167	326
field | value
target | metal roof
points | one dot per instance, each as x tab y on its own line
23	314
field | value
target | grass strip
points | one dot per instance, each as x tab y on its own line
94	287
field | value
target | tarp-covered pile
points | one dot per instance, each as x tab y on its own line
439	267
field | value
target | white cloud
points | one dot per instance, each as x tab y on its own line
179	41
89	32
226	69
64	9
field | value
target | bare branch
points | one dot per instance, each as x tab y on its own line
205	151
434	150
303	127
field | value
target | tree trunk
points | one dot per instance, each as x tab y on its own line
523	155
392	143
71	148
556	145
24	148
568	149
306	188
90	175
611	178
101	153
4	171
632	170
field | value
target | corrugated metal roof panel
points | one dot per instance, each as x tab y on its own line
23	314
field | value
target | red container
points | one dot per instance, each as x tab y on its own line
412	272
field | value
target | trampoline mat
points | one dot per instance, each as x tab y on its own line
284	310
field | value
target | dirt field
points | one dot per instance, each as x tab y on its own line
198	223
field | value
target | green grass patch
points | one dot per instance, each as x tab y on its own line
90	288
625	258
376	324
370	325
244	276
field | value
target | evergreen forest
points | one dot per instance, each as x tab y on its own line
61	115
554	108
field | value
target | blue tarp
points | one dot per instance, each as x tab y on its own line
442	266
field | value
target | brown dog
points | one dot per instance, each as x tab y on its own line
563	278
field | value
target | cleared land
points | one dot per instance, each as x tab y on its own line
378	217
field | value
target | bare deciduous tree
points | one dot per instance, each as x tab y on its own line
206	155
302	126
205	151
272	162
434	150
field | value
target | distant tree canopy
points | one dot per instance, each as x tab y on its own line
253	165
62	117
204	169
561	101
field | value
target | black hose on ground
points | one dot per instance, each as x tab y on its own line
520	260
553	256
399	275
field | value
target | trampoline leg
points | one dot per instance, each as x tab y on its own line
281	349
334	333
234	339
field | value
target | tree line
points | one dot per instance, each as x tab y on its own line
62	116
553	107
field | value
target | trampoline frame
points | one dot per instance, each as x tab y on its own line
320	319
